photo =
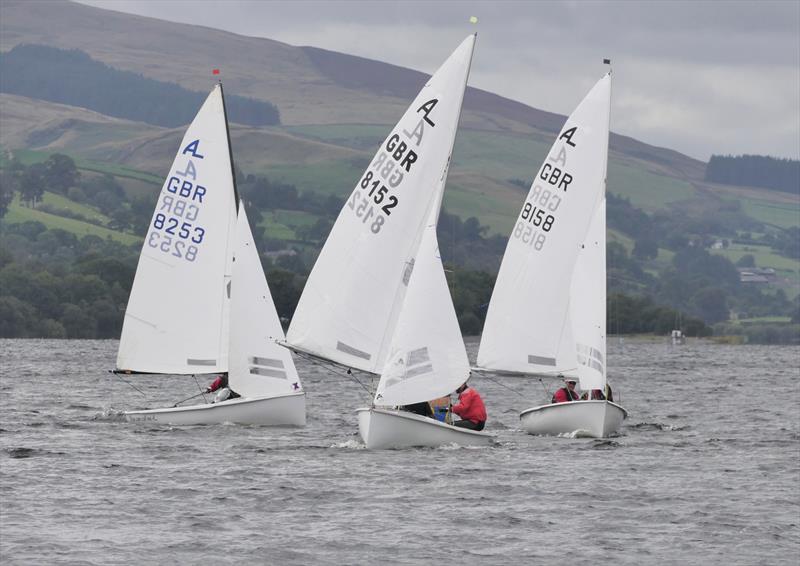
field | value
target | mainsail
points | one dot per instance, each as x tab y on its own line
176	320
352	300
528	327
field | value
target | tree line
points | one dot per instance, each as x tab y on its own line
65	270
72	77
755	171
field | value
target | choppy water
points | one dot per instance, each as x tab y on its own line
706	470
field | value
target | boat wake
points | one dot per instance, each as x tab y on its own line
350	445
456	446
657	426
110	414
605	444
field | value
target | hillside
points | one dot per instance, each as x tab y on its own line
308	85
334	109
671	233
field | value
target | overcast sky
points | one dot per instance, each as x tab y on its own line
699	77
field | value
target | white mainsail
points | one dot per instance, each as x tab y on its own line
351	302
528	328
176	320
258	366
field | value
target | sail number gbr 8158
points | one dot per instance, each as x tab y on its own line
375	197
537	217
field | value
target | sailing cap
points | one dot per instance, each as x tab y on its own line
570	380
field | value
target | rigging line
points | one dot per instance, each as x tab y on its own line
202	391
131	384
486	375
332	367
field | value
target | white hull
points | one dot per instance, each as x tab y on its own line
596	419
282	410
388	428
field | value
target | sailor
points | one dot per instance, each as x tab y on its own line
470	408
566	393
598	395
423	409
221	384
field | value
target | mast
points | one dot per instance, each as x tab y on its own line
230	148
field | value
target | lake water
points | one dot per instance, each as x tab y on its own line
705	470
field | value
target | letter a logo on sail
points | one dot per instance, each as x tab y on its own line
192	148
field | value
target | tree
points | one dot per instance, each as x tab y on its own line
285	291
711	303
9	183
746	260
121	218
473	229
60	173
31	184
14	317
645	247
77	323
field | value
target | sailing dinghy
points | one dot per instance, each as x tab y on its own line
547	314
377	299
200	303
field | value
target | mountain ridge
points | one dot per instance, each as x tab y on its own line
302	81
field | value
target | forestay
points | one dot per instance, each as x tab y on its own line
176	320
351	301
527	327
427	358
259	367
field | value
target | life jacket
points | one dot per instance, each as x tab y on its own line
597	395
571	395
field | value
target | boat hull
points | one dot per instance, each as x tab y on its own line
284	410
388	428
594	419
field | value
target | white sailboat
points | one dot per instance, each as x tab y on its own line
377	299
200	302
547	314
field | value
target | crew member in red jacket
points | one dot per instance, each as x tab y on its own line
566	393
470	408
222	383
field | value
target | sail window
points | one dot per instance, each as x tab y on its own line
541	360
268	362
342	347
193	362
268	372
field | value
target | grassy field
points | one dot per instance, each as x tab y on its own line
355	136
18	214
63	203
764	257
28	157
772	213
646	190
766	320
282	224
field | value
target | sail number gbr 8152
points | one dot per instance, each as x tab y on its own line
537	217
375	197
